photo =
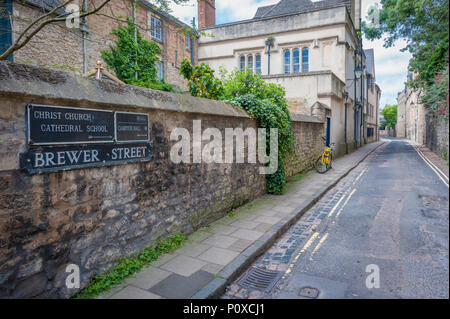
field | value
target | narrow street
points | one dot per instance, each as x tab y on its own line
391	214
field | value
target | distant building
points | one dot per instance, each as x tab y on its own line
311	48
58	46
372	102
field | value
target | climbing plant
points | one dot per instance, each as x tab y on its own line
263	101
134	59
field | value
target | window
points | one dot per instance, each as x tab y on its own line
188	42
305	60
296	58
6	9
250	62
156	27
242	63
160	70
258	63
287	62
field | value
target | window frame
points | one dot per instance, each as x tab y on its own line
187	40
250	59
305	69
288	52
242	62
155	27
260	63
294	65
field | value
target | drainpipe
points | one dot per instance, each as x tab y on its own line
192	42
268	61
345	122
84	30
135	31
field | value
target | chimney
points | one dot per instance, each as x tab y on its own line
206	13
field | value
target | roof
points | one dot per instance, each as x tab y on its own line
370	62
49	5
287	7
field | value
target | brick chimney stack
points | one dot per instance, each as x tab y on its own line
206	13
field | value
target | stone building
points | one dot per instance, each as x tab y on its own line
310	48
372	102
79	48
411	115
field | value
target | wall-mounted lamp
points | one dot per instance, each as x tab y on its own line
411	103
358	71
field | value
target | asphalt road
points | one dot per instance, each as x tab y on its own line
387	220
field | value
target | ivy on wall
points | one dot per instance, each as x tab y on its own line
263	101
134	59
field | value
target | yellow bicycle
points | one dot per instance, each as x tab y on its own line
323	163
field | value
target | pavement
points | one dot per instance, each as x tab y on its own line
381	232
217	254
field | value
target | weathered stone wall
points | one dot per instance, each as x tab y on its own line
307	132
437	133
92	217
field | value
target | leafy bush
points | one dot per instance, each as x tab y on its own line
264	101
436	95
202	82
133	62
390	115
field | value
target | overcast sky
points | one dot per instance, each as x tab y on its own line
390	64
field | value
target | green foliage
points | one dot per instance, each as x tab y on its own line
129	266
154	85
264	101
390	115
436	95
132	61
424	25
202	82
445	157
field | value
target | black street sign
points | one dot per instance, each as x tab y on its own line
46	159
131	127
52	125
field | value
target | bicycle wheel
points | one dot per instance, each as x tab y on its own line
330	160
320	166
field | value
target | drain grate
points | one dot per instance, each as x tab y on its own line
309	292
261	279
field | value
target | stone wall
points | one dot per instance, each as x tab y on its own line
437	133
93	217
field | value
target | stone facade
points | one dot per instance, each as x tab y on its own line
92	217
437	133
57	46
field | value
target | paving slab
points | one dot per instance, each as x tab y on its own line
183	265
221	241
247	234
218	256
148	277
131	292
180	287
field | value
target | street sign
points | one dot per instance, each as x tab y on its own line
52	125
131	127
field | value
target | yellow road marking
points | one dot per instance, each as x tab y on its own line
304	248
364	170
336	206
318	245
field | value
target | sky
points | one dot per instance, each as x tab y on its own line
391	65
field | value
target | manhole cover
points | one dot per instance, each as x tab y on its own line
261	279
309	292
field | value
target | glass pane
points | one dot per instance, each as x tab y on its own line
250	62
258	63
305	60
287	62
242	63
296	60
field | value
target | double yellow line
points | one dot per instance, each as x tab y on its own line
435	169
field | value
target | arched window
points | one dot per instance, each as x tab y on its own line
258	63
287	62
296	60
242	63
250	62
305	60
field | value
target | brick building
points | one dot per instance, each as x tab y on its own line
79	48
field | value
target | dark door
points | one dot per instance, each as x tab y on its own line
328	141
5	26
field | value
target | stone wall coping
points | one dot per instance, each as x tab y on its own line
32	81
296	117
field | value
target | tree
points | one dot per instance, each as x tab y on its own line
55	12
424	24
390	115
